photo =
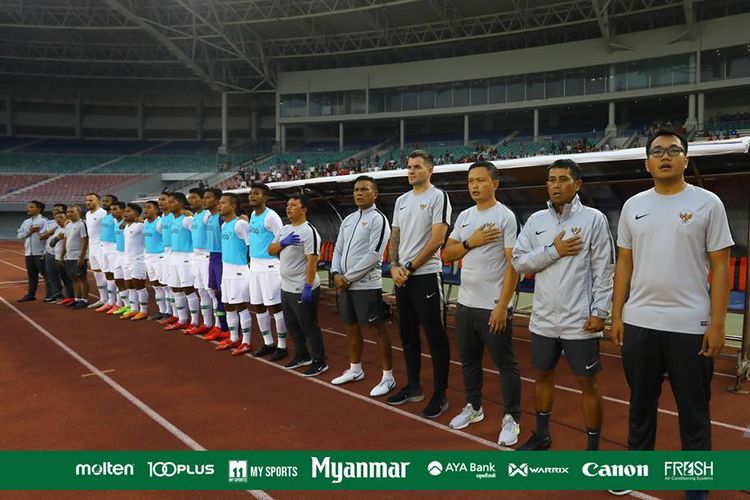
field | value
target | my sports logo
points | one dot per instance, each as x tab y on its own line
238	471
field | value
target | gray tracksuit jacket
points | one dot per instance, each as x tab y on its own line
358	253
567	289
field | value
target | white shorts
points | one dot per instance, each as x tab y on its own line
154	264
117	260
234	284
180	270
134	269
166	263
96	261
200	268
107	252
265	282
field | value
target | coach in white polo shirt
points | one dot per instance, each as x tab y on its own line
664	315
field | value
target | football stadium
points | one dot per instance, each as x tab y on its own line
375	248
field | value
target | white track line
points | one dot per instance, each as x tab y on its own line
13	265
561	387
150	412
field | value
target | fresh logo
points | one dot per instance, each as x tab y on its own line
238	471
338	471
171	469
105	469
435	468
689	470
592	469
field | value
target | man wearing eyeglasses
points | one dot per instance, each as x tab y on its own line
664	315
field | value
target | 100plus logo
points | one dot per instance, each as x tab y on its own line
172	469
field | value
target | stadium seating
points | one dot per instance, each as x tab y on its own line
737	283
161	163
59	164
73	188
12	142
11	182
88	146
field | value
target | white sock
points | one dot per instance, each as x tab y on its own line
161	299
133	299
233	322
194	305
101	284
280	329
143	299
173	303
355	367
113	295
124	295
246	324
206	307
387	374
264	325
180	302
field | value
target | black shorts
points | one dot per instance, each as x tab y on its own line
582	354
74	270
361	306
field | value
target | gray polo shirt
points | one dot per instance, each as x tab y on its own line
74	232
669	236
483	267
50	226
359	249
293	259
414	215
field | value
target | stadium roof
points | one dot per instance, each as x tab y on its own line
241	45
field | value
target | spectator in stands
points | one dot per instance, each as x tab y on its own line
684	342
52	278
33	247
573	291
421	218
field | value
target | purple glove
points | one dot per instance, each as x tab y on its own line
290	239
307	296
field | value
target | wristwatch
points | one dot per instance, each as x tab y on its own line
409	267
466	245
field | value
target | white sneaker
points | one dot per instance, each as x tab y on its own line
510	431
97	304
467	416
619	493
348	376
384	387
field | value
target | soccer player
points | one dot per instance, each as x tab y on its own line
235	289
33	248
201	257
117	260
154	257
108	253
75	245
94	216
569	248
358	276
167	219
181	275
298	248
484	236
420	224
211	198
265	276
134	264
664	315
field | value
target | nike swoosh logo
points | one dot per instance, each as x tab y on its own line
372	319
588	367
540	232
641	216
430	295
464	225
402	208
299	302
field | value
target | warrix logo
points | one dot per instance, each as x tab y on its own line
524	470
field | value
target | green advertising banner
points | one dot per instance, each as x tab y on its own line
365	470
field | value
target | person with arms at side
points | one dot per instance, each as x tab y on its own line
211	198
570	249
483	237
298	248
134	264
201	307
33	247
154	257
108	252
181	270
117	260
667	319
94	216
421	218
75	245
358	276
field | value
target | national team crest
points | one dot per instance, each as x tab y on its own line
686	216
576	231
422	206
